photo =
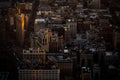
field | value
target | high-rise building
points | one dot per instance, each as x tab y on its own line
70	30
35	54
86	73
86	59
40	74
116	39
96	72
72	25
20	23
41	39
11	17
56	42
34	66
66	66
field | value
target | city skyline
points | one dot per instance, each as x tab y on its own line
59	40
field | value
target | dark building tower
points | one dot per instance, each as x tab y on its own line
78	57
13	3
116	39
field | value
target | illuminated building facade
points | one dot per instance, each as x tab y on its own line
35	54
41	39
72	25
34	66
20	28
56	42
40	74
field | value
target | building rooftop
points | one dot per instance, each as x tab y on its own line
86	70
34	64
33	51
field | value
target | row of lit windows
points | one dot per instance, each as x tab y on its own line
35	71
34	51
38	77
39	73
33	56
